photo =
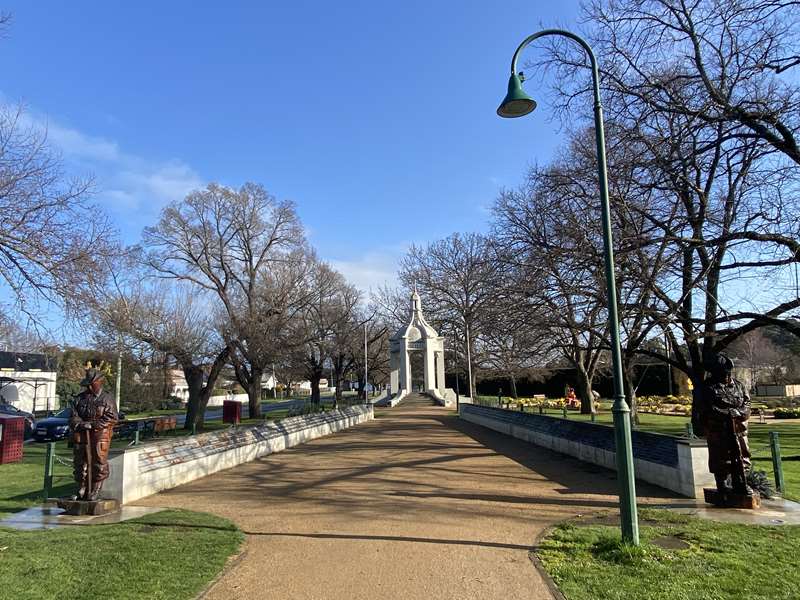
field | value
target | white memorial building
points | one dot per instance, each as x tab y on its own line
415	339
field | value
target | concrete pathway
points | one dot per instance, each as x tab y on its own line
414	505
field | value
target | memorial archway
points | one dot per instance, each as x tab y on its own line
416	358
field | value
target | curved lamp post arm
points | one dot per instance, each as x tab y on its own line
621	410
563	33
574	37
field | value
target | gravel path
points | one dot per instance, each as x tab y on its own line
413	505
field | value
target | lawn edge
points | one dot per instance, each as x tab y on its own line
232	562
533	556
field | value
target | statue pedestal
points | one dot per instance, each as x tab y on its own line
88	507
731	499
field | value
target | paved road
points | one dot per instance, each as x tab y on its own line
266	407
413	505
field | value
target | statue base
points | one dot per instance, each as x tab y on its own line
731	499
87	507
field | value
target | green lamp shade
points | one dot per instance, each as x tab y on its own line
516	103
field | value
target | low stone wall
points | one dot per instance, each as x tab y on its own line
150	468
677	464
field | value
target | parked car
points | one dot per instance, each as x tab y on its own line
56	427
12	411
53	428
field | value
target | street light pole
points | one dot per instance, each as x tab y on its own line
517	104
469	363
366	366
458	375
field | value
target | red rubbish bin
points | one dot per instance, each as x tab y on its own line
231	411
11	439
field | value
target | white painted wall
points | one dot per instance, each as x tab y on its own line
128	483
38	385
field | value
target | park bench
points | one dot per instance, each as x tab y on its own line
164	424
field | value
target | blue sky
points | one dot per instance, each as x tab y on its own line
376	118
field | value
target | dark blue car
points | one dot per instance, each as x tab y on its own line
56	427
53	428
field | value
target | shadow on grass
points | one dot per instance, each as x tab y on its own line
38	495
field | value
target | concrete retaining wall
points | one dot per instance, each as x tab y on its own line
677	464
150	468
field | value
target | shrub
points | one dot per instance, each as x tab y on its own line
759	481
787	413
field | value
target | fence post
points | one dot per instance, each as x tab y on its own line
194	428
777	467
689	430
594	416
541	409
564	412
136	436
49	461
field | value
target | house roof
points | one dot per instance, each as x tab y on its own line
26	361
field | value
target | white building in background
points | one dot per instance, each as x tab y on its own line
177	384
28	381
180	389
268	381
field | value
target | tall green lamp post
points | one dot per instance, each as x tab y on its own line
517	104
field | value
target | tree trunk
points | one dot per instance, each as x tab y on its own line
630	393
254	392
514	387
337	397
195	413
166	382
362	388
583	389
315	394
200	394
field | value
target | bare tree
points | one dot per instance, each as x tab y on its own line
241	246
552	244
53	240
175	321
377	338
347	341
330	306
765	361
736	59
713	129
460	281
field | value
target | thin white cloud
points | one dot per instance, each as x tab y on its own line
371	271
133	188
75	144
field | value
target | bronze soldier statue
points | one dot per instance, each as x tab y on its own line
94	415
722	413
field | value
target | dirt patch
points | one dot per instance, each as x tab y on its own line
670	542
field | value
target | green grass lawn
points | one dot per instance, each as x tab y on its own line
21	483
722	561
789	436
170	554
